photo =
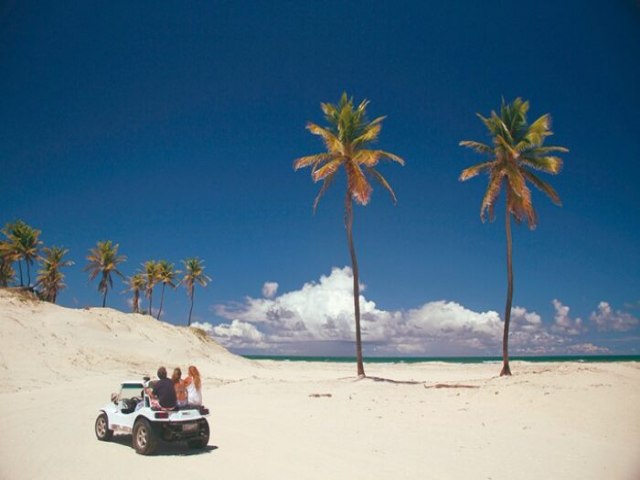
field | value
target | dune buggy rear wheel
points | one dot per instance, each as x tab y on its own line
144	435
203	438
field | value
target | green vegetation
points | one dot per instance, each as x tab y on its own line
346	137
50	278
136	284
150	270
166	276
516	151
22	244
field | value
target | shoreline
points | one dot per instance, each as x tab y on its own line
452	359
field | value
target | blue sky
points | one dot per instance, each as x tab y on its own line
171	129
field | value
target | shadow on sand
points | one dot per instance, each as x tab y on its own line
390	380
166	449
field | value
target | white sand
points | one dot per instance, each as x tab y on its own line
548	421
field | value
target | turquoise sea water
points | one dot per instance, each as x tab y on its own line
568	358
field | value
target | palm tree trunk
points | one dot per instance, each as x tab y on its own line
191	309
20	268
104	298
28	273
161	301
150	301
506	370
348	222
136	302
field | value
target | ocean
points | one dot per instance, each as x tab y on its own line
563	358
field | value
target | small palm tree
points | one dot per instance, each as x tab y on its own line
193	273
166	275
136	284
150	270
7	273
346	139
515	154
23	244
104	260
50	278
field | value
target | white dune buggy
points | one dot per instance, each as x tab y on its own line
130	412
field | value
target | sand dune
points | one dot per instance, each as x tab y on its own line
275	420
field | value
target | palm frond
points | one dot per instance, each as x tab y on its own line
538	130
474	170
501	130
332	142
357	184
308	160
544	187
327	169
477	146
547	164
391	156
369	134
370	158
328	180
383	181
491	194
519	200
506	145
540	150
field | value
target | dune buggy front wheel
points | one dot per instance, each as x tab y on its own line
102	428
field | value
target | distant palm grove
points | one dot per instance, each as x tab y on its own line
514	156
22	247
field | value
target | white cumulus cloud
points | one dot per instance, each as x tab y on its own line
318	319
269	289
563	323
321	313
606	319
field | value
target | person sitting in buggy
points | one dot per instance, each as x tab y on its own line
163	394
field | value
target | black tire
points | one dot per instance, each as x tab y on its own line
103	433
203	438
145	439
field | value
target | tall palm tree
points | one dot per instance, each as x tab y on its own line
346	138
23	244
166	275
193	273
516	152
104	260
150	273
50	278
136	284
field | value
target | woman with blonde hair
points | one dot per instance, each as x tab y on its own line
194	387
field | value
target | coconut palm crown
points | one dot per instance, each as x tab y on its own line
104	260
516	154
50	276
136	284
193	274
150	271
22	243
346	138
167	275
